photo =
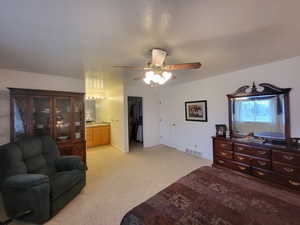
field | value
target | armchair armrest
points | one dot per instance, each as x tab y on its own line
27	192
64	163
25	181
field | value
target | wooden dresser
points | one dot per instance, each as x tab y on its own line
276	163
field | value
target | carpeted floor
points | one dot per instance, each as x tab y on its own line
116	182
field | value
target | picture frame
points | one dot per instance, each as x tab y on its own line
196	111
221	130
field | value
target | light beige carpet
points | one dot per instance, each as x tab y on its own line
116	182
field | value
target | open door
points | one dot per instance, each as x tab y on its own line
135	123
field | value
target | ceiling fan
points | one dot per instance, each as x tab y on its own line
157	71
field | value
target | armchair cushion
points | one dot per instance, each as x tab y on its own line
25	181
63	182
11	162
27	192
65	163
39	154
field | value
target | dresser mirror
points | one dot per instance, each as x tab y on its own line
261	111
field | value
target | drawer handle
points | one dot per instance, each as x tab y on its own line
261	163
242	168
240	148
294	183
223	153
241	158
223	145
221	161
261	152
288	157
260	173
289	170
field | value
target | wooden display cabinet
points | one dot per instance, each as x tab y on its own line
54	113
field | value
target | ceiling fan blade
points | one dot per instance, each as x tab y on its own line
158	56
183	66
132	67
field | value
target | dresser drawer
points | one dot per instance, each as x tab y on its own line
266	175
286	169
242	158
261	163
253	161
259	152
241	167
286	157
222	144
293	183
233	165
224	153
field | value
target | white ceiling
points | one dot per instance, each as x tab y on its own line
69	37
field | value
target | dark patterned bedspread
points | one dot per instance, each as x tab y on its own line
210	196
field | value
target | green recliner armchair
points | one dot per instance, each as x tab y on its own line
33	176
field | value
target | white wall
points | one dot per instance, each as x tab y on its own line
115	114
151	113
178	133
17	79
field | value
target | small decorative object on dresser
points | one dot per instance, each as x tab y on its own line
196	111
221	130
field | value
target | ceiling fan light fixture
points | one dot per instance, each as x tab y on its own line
162	81
158	71
156	78
149	75
147	81
152	78
167	75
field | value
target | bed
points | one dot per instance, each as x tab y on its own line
212	196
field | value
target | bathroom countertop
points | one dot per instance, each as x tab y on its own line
97	124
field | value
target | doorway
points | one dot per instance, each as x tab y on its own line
135	123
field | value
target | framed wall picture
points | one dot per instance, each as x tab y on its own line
196	111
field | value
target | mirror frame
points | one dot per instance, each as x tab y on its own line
268	89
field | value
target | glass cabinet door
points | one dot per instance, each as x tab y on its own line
41	116
20	107
78	118
63	118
